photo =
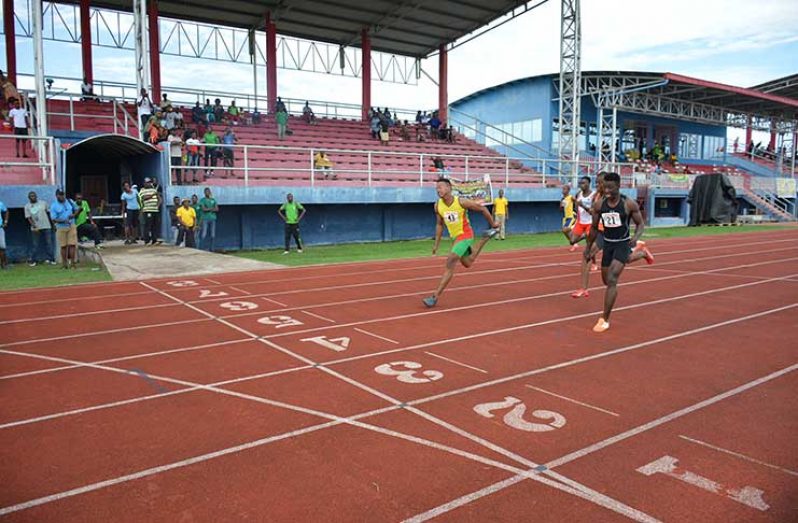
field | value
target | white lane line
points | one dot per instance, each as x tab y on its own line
90	313
464	500
582	403
456	362
670	417
383	338
242	291
318	316
213	281
738	455
278	303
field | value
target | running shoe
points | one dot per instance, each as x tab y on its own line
299	251
490	233
601	325
641	246
593	267
573	248
581	293
430	301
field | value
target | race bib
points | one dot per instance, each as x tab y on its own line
451	217
611	219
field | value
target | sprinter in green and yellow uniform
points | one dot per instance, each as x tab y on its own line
453	212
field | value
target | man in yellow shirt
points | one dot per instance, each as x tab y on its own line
323	163
568	212
500	214
187	219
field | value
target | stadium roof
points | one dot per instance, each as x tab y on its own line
777	103
786	86
405	27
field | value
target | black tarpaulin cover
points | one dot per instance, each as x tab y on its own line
712	199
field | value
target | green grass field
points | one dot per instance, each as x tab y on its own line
351	252
20	276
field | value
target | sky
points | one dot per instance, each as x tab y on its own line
737	42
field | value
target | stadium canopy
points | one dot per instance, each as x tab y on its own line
410	28
786	86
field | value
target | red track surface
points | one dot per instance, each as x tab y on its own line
224	398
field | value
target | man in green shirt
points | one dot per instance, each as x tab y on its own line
85	223
292	213
212	152
282	123
208	210
150	212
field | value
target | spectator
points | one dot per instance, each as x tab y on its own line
375	126
19	117
228	151
446	133
179	122
439	166
155	128
425	119
308	115
280	106
197	211
144	106
198	114
150	212
176	157
38	215
256	117
10	93
218	110
211	141
173	221
404	132
386	117
208	207
165	102
85	223
290	213
170	118
210	116
234	112
419	118
434	125
421	135
130	211
323	163
187	221
87	91
282	123
193	155
3	225
63	212
385	136
501	212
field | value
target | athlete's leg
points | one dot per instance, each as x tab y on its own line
451	263
584	274
469	259
610	276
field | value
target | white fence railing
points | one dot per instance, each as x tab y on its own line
41	157
252	163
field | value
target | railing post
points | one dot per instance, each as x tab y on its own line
421	170
506	171
369	164
71	114
246	165
466	168
115	119
312	169
543	168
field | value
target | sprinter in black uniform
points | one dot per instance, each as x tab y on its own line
614	211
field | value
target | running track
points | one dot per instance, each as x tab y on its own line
330	393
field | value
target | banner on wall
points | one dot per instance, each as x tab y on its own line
480	191
785	187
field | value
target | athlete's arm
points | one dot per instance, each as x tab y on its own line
591	237
438	230
474	206
634	211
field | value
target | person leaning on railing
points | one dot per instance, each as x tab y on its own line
323	163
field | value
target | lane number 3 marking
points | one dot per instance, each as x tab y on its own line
410	374
515	418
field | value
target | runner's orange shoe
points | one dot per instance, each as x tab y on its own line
593	267
580	293
573	248
601	325
641	247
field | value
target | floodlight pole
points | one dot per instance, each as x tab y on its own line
570	83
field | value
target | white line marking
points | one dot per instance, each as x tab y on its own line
369	333
213	281
456	362
281	304
566	398
242	291
741	456
670	417
318	316
90	313
464	500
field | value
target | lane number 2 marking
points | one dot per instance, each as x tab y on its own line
515	418
206	293
280	322
410	374
237	306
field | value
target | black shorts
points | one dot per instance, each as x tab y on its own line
132	218
616	251
21	131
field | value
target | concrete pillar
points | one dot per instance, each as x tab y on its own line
155	54
443	91
11	43
85	41
365	46
271	63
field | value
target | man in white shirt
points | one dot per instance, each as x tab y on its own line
176	155
19	117
87	90
193	153
144	108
